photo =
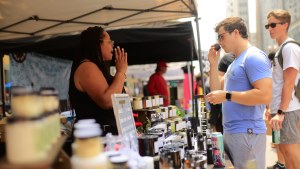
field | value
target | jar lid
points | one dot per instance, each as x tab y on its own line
87	132
21	90
136	98
147	137
119	159
87	121
48	91
111	154
84	125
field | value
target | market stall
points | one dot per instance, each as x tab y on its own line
33	22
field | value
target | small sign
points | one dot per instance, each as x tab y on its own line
123	114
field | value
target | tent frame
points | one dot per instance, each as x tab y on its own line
108	7
73	20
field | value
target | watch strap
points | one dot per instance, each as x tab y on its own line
280	112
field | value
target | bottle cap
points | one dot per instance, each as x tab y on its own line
86	125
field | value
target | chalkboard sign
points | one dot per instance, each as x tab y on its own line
123	114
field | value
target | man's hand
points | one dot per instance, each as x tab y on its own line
276	121
268	115
213	55
216	97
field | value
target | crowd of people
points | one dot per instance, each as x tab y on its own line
244	82
252	85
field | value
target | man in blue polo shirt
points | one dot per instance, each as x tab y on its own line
244	91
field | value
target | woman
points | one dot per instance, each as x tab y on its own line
91	84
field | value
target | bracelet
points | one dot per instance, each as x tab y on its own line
123	74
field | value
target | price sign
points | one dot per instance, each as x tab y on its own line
123	114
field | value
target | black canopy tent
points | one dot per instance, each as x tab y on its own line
31	19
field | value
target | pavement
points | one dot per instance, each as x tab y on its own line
271	155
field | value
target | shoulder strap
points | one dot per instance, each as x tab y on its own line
280	58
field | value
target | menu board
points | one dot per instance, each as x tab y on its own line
123	114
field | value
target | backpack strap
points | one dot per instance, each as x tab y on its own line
280	58
280	61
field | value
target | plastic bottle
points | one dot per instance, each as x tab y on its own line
275	136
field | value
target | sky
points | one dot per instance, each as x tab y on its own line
212	12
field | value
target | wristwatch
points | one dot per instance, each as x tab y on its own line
228	96
280	112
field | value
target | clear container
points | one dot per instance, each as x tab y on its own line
25	102
119	162
87	143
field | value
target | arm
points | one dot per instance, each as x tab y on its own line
289	77
151	86
261	94
214	81
89	78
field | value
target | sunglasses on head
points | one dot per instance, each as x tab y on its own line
272	25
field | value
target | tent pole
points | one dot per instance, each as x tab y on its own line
194	102
200	59
2	85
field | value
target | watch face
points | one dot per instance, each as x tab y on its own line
280	111
228	96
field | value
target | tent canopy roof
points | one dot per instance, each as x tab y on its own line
30	18
52	27
144	45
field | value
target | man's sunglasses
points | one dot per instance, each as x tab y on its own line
272	25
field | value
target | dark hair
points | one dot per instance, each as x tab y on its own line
90	40
271	56
232	23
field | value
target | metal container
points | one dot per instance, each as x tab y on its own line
148	145
218	149
170	157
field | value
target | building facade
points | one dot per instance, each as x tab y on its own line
263	8
261	37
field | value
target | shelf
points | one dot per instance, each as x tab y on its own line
46	164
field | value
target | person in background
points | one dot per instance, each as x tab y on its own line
280	164
215	118
200	91
199	87
285	106
244	91
157	84
91	84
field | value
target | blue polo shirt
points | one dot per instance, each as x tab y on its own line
251	65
